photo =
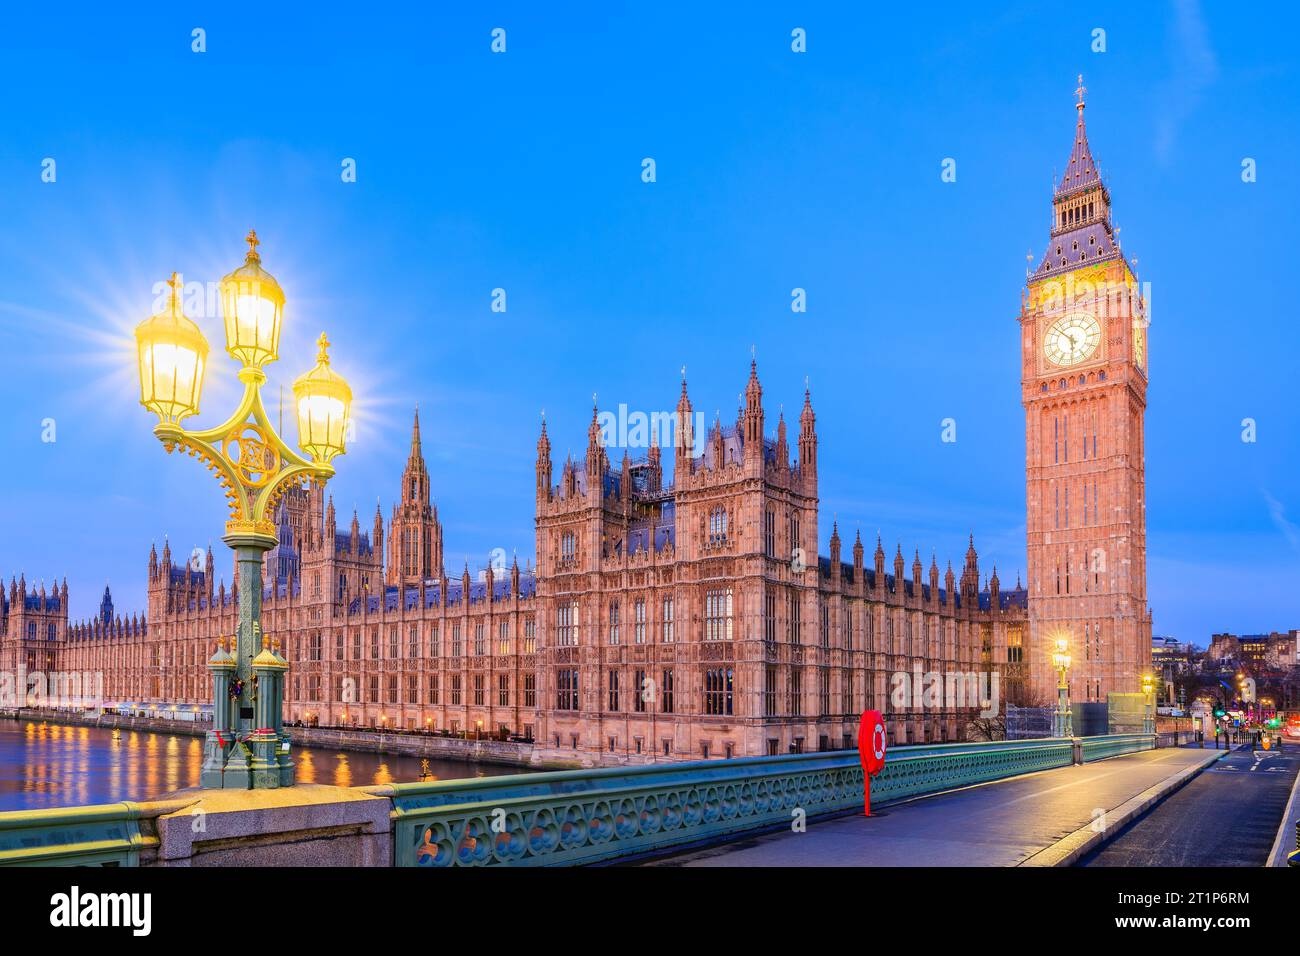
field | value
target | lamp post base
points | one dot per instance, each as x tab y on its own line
216	747
256	755
265	764
238	772
229	766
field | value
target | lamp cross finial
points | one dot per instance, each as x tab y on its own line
253	243
324	343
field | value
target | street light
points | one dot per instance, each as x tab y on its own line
253	305
172	354
323	401
1061	659
247	746
1148	702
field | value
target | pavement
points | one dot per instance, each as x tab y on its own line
1227	816
1004	823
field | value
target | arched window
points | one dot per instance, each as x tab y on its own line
718	525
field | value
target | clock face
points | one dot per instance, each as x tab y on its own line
1073	339
1139	345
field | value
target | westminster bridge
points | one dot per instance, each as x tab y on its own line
792	809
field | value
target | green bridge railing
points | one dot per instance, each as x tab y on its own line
109	834
590	816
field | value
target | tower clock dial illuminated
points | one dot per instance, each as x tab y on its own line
1072	339
1139	344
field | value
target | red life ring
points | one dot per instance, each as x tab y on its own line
872	742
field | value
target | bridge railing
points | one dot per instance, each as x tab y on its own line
589	816
110	834
1112	745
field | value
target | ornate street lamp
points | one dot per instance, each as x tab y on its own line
247	746
1061	660
1148	704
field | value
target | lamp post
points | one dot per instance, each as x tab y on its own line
247	746
1148	704
1061	660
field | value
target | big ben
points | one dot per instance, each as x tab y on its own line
1083	323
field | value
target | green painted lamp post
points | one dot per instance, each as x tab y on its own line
247	746
1061	660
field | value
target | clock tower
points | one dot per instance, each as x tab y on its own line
1084	381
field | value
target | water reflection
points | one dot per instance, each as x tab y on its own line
50	765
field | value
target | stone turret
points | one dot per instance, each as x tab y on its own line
808	436
543	467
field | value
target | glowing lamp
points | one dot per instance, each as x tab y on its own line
1062	657
324	401
253	305
172	355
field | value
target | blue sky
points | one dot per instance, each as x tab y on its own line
775	170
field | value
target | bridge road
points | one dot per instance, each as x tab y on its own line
1226	816
994	824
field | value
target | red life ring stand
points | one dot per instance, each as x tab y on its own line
872	744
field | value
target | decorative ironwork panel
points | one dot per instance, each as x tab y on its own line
589	816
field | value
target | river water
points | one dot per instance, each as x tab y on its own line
50	765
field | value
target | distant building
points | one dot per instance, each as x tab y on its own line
1170	655
1276	649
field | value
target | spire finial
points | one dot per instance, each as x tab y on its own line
1079	93
322	355
175	298
253	243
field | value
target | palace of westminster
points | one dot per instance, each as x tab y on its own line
694	617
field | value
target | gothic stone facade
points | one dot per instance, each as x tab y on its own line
694	620
683	620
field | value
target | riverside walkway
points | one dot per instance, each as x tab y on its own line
1044	818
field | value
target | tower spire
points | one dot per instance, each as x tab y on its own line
414	539
1081	231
